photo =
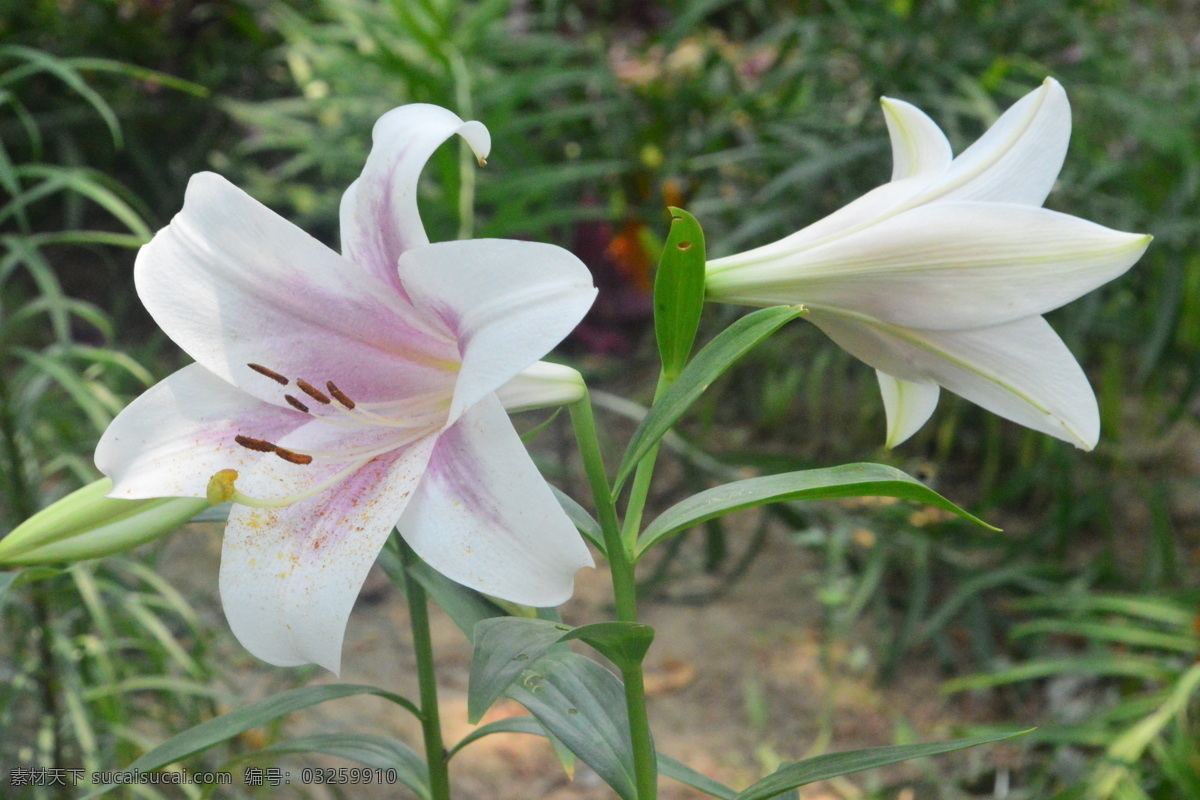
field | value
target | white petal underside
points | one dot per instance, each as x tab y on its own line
484	517
908	405
918	145
1021	370
1018	158
947	266
541	385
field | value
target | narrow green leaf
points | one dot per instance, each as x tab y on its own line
377	752
61	68
848	480
725	349
1158	609
511	725
1107	665
678	771
623	643
1106	631
679	292
225	727
584	522
834	765
583	704
504	648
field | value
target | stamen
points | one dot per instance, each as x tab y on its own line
339	395
258	445
312	391
270	373
296	404
288	455
224	481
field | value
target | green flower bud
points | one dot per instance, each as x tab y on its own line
85	524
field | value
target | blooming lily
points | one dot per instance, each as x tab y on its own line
335	396
940	277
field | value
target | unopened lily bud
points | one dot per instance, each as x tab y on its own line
542	385
85	524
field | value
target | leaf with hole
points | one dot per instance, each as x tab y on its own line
679	292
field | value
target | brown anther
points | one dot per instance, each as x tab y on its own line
270	373
312	391
295	458
258	445
296	404
339	395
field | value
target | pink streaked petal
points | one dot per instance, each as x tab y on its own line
507	302
484	516
170	440
290	575
233	283
379	215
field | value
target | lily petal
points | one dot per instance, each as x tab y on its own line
233	284
484	517
507	302
878	203
918	144
290	575
945	266
170	440
1018	158
1021	370
379	216
541	385
908	405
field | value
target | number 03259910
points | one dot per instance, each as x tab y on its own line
348	775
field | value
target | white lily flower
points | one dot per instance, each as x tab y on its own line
940	277
335	396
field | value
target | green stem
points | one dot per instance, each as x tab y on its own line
466	157
640	488
431	725
621	563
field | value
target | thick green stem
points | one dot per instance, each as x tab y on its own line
431	724
621	563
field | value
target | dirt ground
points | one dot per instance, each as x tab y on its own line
737	685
